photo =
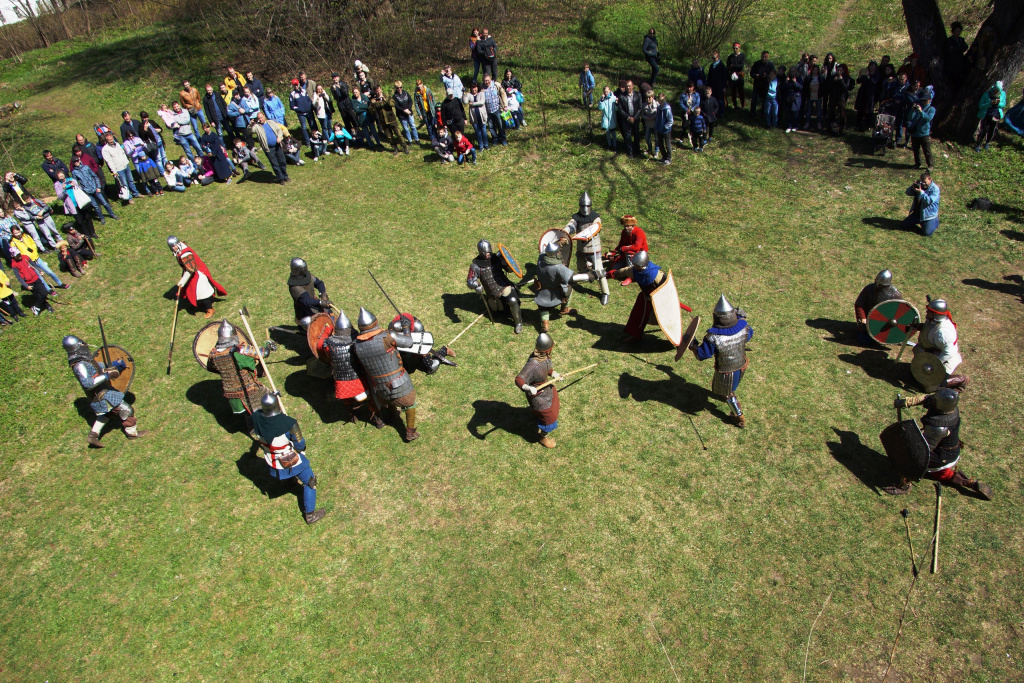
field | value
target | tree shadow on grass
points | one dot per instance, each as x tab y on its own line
845	332
887	224
674	391
516	420
612	336
872	468
253	467
877	364
209	393
1014	285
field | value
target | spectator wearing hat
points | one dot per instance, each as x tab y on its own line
300	103
70	260
919	128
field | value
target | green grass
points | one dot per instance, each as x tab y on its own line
624	554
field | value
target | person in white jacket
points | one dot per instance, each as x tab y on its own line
117	161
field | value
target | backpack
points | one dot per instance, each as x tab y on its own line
519	97
101	130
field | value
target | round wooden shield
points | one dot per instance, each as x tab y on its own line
206	339
890	321
510	260
123	382
557	235
928	370
688	335
319	329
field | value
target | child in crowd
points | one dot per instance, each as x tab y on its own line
149	174
243	156
698	130
444	145
339	140
176	180
318	144
463	148
587	84
291	151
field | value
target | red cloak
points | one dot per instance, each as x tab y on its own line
190	288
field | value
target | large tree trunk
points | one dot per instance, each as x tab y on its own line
997	54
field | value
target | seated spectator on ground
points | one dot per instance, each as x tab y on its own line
243	156
444	145
71	261
292	151
338	140
463	148
176	180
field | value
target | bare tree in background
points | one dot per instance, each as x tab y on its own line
24	10
699	27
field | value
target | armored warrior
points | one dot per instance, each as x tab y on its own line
726	342
941	429
555	281
939	336
284	449
632	240
349	385
103	399
585	227
543	402
308	291
873	294
378	352
196	282
236	362
487	277
648	276
428	362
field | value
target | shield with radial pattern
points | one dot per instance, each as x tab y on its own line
320	327
665	301
890	321
557	235
509	259
123	381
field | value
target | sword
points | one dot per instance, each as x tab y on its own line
384	293
561	377
465	330
487	308
286	331
103	335
259	354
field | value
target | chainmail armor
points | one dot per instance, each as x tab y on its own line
341	358
384	366
730	350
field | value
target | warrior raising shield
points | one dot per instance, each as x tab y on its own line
96	377
196	282
585	228
726	342
650	277
939	336
487	277
236	362
308	292
873	294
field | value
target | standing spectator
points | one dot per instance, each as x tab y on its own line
587	84
52	165
609	107
709	108
718	79
365	84
129	127
474	38
495	100
117	162
478	114
737	66
14	187
76	202
387	120
444	145
250	105
650	50
914	70
273	107
214	145
308	87
256	86
990	114
838	94
91	184
924	211
322	108
688	101
771	100
339	90
813	90
182	128
828	73
191	100
404	111
237	116
426	108
649	115
791	100
85	160
864	104
697	75
37	220
759	75
452	82
89	150
360	68
270	135
663	126
510	81
453	114
215	108
231	82
27	274
629	118
175	178
515	107
366	121
243	156
301	104
463	148
698	130
27	247
487	48
151	137
956	48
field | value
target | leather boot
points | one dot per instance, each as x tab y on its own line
94	440
546	441
410	421
545	326
314	516
138	433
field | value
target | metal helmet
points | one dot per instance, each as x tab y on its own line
225	333
545	342
884	279
551	248
71	343
366	320
724	314
585	204
172	242
270	405
640	260
417	326
342	323
938	306
299	267
396	325
483	247
946	400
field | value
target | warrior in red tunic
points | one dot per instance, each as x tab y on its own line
632	241
350	385
649	276
196	282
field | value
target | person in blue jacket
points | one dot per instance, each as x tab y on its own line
925	209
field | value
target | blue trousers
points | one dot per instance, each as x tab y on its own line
409	126
927	227
100	202
125	178
41	265
304	124
303	472
771	112
188	142
481	134
472	155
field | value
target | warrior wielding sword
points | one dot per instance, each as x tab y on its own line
384	293
103	336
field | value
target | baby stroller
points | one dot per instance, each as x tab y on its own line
883	135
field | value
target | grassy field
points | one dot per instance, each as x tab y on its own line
627	553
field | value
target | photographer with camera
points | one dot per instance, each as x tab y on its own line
925	209
919	128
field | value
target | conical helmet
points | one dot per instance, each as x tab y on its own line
342	323
366	320
724	313
585	203
551	248
270	405
225	333
545	342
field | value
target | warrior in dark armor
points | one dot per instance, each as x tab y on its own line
875	293
349	384
939	336
555	282
543	402
103	399
428	362
378	352
726	342
649	277
196	284
586	223
237	362
487	277
941	429
284	449
308	291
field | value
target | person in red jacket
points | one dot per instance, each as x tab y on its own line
196	282
463	147
24	268
632	240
